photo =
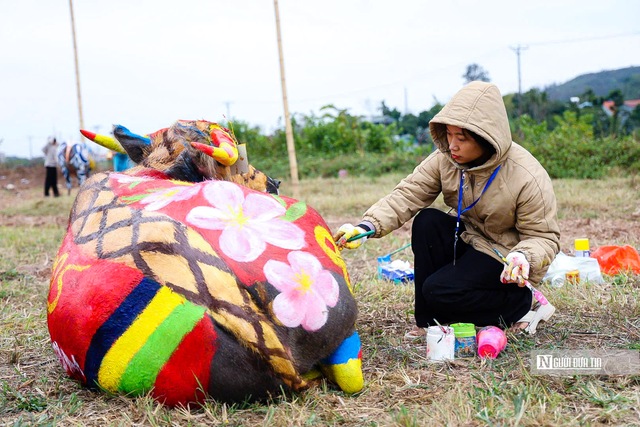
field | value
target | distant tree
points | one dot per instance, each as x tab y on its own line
423	135
634	118
535	104
425	117
475	72
588	96
618	100
392	113
617	97
409	124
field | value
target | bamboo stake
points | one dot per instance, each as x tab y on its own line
291	148
75	56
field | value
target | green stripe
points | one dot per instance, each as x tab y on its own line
140	375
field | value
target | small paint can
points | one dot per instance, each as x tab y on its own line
573	276
440	343
465	334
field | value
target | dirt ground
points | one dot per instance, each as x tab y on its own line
601	231
21	182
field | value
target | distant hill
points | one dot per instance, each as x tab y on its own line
602	83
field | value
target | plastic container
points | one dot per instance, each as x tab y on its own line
581	247
573	276
382	262
441	342
465	334
491	341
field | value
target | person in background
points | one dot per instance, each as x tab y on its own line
500	198
50	163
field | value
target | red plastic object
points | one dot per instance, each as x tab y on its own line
617	259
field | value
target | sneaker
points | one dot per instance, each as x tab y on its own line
539	313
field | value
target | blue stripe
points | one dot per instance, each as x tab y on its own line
116	325
349	349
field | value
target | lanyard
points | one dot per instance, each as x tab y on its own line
461	211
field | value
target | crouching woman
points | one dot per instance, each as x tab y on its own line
500	199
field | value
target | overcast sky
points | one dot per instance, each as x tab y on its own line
145	64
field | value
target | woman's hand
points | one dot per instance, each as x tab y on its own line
347	231
517	269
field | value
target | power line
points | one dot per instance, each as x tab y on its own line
585	39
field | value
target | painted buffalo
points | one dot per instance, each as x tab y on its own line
74	158
184	279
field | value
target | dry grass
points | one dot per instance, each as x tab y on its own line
401	389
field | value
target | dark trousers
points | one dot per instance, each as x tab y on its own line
51	181
469	291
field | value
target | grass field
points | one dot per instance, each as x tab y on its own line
401	387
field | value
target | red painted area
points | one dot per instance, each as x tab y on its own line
185	376
159	133
91	291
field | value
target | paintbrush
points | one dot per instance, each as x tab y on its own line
536	293
444	330
360	236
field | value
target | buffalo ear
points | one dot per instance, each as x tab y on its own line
137	147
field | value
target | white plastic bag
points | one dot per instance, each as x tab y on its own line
588	268
398	271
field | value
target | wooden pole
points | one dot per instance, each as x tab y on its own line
75	55
291	148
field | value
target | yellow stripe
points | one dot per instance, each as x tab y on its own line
117	359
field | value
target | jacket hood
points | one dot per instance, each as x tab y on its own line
477	107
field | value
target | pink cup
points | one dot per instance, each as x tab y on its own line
491	341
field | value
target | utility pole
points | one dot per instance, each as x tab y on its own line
75	55
406	102
228	104
517	50
291	148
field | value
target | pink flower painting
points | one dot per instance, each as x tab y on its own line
248	223
306	290
161	198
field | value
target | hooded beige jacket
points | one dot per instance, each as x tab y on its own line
517	212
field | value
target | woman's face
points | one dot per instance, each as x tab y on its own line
464	149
